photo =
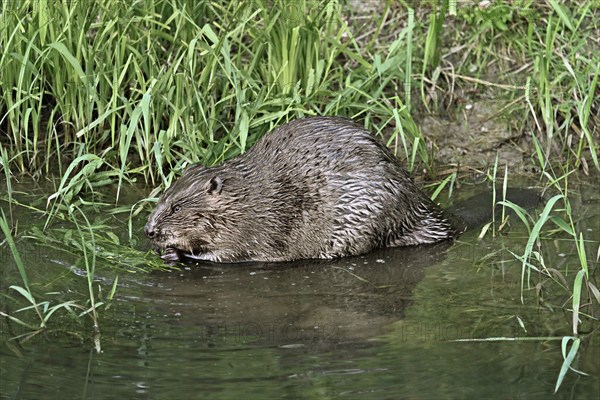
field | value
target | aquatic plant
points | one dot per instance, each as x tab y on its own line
45	309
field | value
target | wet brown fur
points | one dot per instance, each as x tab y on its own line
319	187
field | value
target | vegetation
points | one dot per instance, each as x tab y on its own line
104	93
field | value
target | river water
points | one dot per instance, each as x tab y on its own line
416	323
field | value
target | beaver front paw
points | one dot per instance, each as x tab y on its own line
172	254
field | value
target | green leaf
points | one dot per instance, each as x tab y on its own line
114	288
13	248
535	233
244	125
568	359
62	49
562	14
43	18
562	224
577	299
25	293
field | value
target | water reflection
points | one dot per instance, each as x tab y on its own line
293	303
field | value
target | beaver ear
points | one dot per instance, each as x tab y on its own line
215	185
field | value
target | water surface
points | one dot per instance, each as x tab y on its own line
385	325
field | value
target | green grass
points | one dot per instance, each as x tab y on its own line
161	84
104	93
44	310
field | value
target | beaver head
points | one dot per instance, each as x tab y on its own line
185	220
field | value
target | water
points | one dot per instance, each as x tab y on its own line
380	326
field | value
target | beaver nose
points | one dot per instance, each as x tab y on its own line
149	230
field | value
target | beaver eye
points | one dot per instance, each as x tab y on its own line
176	208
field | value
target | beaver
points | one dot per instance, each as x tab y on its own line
313	188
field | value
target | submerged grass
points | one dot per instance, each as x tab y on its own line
88	244
105	93
44	310
532	260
